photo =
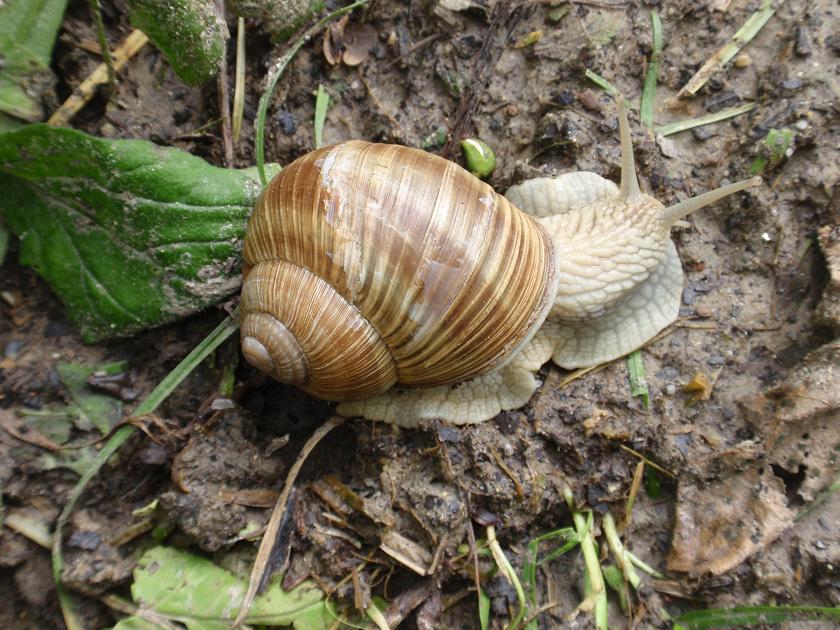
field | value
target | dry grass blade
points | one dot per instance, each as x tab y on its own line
239	80
691	123
725	53
129	47
261	564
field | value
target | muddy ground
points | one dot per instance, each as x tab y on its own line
738	518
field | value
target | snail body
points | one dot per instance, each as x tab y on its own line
370	265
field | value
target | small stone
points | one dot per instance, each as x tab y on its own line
12	349
802	47
670	389
689	295
716	360
743	61
703	311
701	133
9	298
85	540
792	84
287	122
819	544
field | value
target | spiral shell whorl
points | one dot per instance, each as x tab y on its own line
295	324
269	346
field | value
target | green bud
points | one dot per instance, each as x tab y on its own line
479	157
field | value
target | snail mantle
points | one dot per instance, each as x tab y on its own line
395	282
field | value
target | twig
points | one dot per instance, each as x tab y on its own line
224	100
105	50
507	570
239	80
129	47
648	462
725	53
258	572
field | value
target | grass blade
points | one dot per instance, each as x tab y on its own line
750	615
322	102
277	71
212	341
649	91
685	125
638	378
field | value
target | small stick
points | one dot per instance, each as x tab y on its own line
129	47
239	80
224	100
105	51
277	516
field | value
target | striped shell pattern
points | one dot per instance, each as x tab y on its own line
368	265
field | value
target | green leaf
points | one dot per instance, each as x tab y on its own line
653	483
638	379
751	615
196	592
190	34
28	29
92	408
129	234
134	623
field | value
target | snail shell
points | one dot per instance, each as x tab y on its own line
368	265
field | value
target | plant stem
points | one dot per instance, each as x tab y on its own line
276	72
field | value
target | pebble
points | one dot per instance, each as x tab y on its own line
689	295
743	61
9	298
701	133
802	47
287	122
703	311
717	359
819	544
12	349
670	389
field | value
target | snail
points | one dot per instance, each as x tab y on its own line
370	266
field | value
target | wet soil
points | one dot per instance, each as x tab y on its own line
759	312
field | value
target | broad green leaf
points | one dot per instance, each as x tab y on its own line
134	623
129	234
753	615
189	33
194	591
28	29
92	408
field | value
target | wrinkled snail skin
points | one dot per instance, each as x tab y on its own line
369	266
